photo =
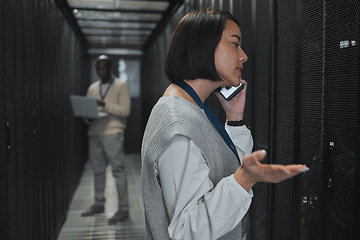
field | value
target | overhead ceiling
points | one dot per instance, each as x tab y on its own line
127	25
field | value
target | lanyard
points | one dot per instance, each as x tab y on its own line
211	116
106	91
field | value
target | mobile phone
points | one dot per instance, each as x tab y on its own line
229	92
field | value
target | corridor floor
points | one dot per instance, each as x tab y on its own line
96	227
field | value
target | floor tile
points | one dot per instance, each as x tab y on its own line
96	227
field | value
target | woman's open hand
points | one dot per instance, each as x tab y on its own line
252	171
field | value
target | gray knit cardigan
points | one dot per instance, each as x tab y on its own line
172	116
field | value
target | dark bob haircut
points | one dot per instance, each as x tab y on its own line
192	47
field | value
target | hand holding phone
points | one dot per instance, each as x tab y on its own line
229	92
234	108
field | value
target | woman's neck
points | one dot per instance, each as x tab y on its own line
202	87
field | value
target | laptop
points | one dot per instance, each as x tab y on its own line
83	106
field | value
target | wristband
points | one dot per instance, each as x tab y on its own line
236	123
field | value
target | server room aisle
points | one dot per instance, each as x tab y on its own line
96	227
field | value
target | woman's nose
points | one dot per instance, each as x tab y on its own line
243	56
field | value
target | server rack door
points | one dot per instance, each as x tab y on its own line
18	86
260	103
33	127
316	49
284	214
328	119
341	101
14	166
4	138
311	113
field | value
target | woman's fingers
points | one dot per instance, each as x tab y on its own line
254	157
259	155
249	171
271	173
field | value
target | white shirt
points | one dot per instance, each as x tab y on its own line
197	209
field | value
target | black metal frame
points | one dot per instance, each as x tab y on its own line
67	12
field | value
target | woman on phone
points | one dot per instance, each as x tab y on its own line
196	174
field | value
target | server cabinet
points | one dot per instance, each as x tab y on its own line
14	170
341	141
4	136
317	76
300	76
44	148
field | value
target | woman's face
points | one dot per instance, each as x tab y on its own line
229	56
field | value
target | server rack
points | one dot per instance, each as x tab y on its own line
44	148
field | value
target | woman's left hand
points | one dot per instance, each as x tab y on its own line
235	107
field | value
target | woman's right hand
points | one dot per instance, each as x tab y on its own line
234	108
252	171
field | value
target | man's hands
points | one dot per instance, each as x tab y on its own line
100	103
252	171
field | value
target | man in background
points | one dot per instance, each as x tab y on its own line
106	138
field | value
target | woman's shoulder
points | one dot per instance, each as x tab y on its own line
176	102
174	111
177	107
171	116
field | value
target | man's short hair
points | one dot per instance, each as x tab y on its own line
192	47
104	58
